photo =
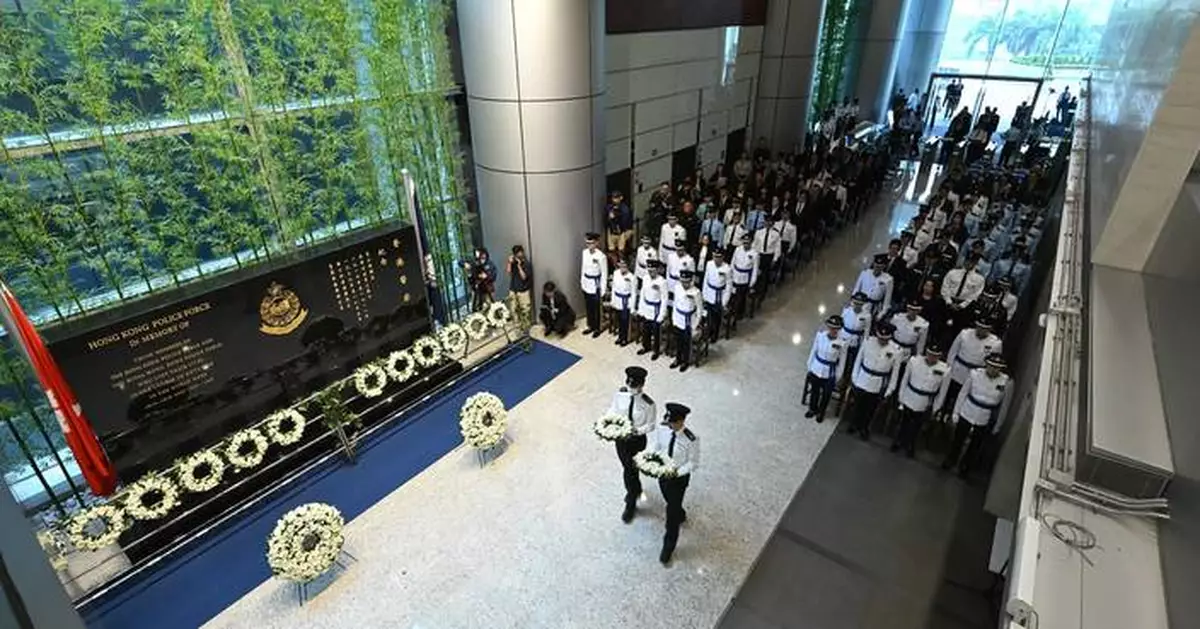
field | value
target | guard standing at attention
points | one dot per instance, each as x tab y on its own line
877	285
593	277
652	308
856	321
922	390
687	310
669	235
645	254
874	377
981	402
745	275
624	295
826	364
683	447
631	401
716	292
968	352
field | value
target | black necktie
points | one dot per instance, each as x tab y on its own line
631	399
671	446
961	284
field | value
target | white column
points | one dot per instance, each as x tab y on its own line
878	57
921	46
785	77
535	76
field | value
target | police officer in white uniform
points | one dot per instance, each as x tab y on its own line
631	401
652	308
874	376
745	275
677	262
593	277
624	297
912	330
687	309
968	352
922	391
717	292
982	401
670	236
877	285
826	364
683	447
645	253
856	322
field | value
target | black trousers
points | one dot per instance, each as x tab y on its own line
862	409
819	391
910	427
622	326
592	304
766	263
741	293
951	395
714	313
683	346
651	335
673	490
962	430
626	449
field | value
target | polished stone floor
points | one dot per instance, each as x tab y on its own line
534	538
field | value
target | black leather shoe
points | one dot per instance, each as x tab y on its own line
810	414
820	418
674	364
654	356
627	515
643	352
864	435
895	447
683	367
664	557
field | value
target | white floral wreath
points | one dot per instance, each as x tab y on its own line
483	420
477	325
400	366
78	527
498	314
655	464
305	542
370	380
453	338
285	427
243	458
613	427
191	466
152	497
427	352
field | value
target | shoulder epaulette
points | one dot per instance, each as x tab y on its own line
687	433
624	389
647	399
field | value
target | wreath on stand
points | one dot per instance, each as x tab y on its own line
427	352
483	420
400	366
370	380
477	325
201	472
655	464
454	339
151	498
246	448
498	314
286	427
613	427
96	527
305	542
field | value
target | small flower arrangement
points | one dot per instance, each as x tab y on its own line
286	427
370	380
613	427
151	498
483	420
305	542
201	471
246	449
655	464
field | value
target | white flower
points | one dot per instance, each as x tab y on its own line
305	542
400	366
453	338
151	498
286	427
613	427
81	528
370	380
246	448
498	314
201	471
477	325
427	352
655	464
483	420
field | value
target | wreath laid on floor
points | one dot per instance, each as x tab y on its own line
96	527
427	352
370	380
477	325
246	448
613	427
454	339
286	427
498	314
305	542
400	366
201	471
483	420
655	464
151	498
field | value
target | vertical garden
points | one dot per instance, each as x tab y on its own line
148	143
833	53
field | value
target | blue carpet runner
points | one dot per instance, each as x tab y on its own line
217	570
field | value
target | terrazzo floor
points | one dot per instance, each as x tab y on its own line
534	538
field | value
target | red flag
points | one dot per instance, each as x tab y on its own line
97	469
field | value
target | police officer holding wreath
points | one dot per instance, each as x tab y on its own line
631	401
683	447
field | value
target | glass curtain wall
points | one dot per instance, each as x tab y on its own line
149	143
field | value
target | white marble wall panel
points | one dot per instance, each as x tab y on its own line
684	134
652	145
553	141
619	123
710	152
784	85
739	117
650	174
493	126
616	155
880	46
714	125
660	112
488	25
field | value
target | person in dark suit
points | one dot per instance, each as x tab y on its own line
555	314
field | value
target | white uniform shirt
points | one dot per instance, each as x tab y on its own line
676	263
668	238
638	407
593	274
875	364
855	325
1009	301
827	358
910	335
969	351
645	253
745	266
717	287
733	235
767	240
910	255
981	396
924	236
877	288
685	450
624	290
687	308
788	232
971	286
923	383
652	298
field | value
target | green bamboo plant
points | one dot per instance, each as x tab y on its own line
837	30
